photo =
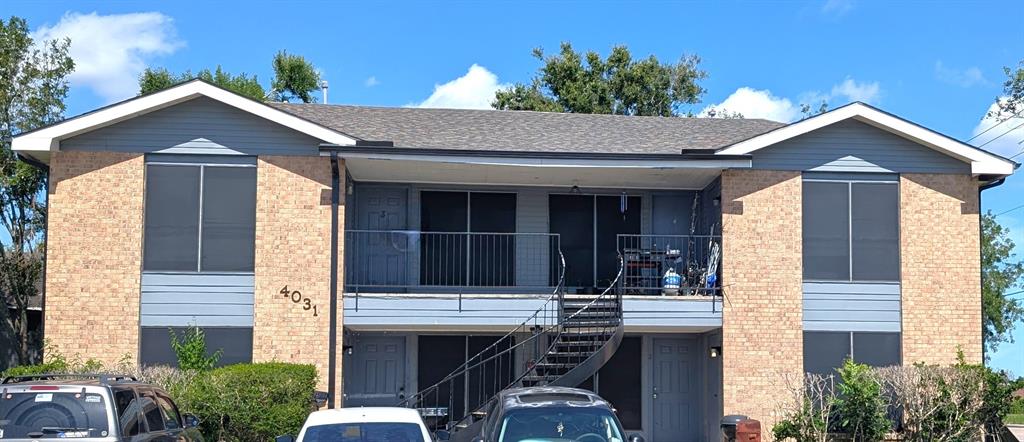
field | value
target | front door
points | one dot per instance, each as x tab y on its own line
376	376
674	394
381	256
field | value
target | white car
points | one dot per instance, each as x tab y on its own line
385	424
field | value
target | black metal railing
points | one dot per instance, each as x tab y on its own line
647	258
406	261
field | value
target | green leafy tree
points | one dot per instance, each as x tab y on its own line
191	352
619	84
999	273
33	85
1011	103
153	80
294	78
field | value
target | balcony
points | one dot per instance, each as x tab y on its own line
414	280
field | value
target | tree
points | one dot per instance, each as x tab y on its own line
999	274
1011	103
153	80
33	85
619	84
294	77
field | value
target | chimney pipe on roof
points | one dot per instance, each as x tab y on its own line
323	89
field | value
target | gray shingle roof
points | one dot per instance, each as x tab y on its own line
520	131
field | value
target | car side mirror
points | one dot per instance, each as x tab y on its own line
443	435
635	438
191	421
285	438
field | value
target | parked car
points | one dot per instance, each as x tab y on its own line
364	424
547	414
90	407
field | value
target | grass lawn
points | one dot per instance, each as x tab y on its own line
1014	419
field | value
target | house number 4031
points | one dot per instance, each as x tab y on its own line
296	297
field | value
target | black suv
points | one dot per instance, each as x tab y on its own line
548	414
90	407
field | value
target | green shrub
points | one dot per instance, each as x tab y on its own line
860	407
807	415
250	402
55	362
191	350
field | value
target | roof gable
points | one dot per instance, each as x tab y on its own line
981	162
47	139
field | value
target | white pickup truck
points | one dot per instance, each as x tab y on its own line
362	424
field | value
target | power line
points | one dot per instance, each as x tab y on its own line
1018	114
1001	135
1007	211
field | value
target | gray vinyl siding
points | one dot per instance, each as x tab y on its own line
198	126
203	299
481	312
852	146
851	306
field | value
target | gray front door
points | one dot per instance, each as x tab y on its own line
674	384
376	375
382	256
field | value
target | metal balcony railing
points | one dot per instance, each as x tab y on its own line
442	262
646	259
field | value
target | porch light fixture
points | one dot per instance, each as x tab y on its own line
347	349
716	352
575	189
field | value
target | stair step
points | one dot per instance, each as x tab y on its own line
576	305
579	323
578	335
583	344
538	378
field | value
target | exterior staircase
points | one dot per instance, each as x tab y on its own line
563	343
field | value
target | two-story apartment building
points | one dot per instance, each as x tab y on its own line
392	247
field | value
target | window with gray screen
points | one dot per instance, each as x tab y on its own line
851	228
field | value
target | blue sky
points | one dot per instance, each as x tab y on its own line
937	63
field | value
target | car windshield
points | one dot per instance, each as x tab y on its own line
560	424
52	415
364	432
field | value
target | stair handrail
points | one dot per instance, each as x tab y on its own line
524	325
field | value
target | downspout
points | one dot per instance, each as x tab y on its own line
42	167
332	361
981	259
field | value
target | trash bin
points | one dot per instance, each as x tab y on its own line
748	430
728	425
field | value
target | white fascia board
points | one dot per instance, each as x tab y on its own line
526	161
982	162
48	139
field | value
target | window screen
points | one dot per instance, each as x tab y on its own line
229	219
875	227
172	218
825	351
826	231
876	349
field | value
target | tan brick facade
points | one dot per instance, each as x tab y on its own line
940	268
94	256
762	273
293	238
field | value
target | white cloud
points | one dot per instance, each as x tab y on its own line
475	90
371	82
1005	139
111	51
854	91
837	7
752	103
964	78
755	103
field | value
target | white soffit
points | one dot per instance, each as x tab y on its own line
48	138
982	162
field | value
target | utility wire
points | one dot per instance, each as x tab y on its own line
1018	114
1007	211
1001	135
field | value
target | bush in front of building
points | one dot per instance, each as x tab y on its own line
929	402
247	402
190	349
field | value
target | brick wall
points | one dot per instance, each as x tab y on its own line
293	238
762	337
940	268
94	256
